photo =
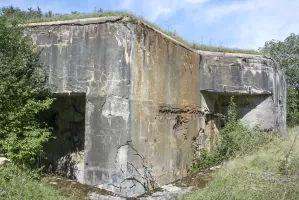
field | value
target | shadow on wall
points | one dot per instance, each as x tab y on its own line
64	153
245	103
251	109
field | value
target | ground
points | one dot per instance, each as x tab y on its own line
272	172
269	173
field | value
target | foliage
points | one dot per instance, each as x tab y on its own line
22	88
16	13
36	15
257	176
286	53
235	140
16	183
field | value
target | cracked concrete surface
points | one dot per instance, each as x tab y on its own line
150	100
258	84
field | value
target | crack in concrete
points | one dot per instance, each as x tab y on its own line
146	178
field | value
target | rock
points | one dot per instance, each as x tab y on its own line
2	192
215	168
3	161
95	196
168	192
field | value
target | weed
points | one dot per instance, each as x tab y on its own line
17	183
257	176
235	140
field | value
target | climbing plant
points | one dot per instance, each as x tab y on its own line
23	95
286	53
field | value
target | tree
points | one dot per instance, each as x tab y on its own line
16	13
23	95
286	53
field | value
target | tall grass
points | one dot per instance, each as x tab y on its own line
235	139
270	173
19	184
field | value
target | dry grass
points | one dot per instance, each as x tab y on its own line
270	173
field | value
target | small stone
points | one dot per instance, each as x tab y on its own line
3	161
2	192
215	168
95	196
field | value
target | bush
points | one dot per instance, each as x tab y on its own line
23	95
235	140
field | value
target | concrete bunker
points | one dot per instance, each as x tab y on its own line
150	100
257	83
64	152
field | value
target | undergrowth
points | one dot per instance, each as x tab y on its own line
235	139
17	183
272	172
255	165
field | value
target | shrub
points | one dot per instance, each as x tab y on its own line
235	140
23	95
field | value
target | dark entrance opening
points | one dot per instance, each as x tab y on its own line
64	153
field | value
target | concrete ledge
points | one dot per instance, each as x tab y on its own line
81	22
238	55
102	20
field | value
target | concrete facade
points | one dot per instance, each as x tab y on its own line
150	99
258	84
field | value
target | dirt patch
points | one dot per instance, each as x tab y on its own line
192	182
78	191
197	179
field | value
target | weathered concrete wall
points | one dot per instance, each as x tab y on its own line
142	108
93	59
150	100
165	113
236	73
257	82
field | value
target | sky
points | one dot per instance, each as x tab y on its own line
231	23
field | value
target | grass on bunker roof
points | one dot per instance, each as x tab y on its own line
197	46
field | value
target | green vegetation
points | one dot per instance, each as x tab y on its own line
204	47
286	54
16	184
36	15
23	96
270	173
234	140
22	183
257	165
